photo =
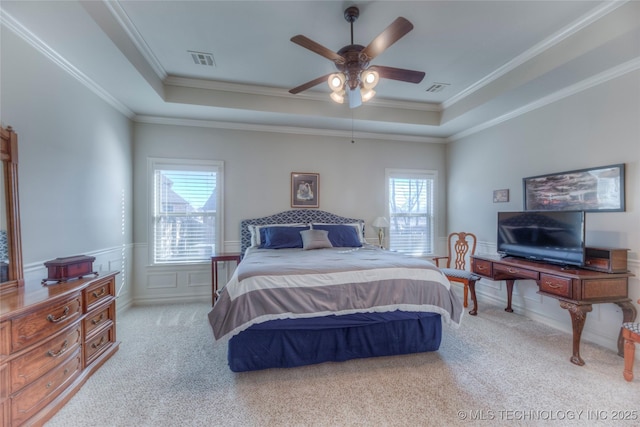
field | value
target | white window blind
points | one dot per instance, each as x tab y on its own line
186	207
410	196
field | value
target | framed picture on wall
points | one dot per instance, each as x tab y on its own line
501	196
305	190
598	189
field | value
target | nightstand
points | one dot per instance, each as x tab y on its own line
215	259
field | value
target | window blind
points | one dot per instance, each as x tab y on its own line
185	214
411	218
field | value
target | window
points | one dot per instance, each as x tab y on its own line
410	199
186	210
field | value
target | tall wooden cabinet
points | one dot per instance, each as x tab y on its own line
52	339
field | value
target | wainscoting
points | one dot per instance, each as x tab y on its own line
109	259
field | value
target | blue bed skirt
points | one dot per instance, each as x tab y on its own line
298	342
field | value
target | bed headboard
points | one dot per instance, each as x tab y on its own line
292	216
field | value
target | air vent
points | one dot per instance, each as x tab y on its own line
202	58
437	87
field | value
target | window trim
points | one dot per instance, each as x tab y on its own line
154	163
407	173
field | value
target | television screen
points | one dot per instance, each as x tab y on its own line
550	236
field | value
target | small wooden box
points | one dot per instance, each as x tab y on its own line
606	260
72	267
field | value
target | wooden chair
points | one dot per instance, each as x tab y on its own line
631	334
460	247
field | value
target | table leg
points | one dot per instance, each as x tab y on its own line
578	317
629	314
509	295
472	289
214	281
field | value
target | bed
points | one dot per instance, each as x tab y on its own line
309	289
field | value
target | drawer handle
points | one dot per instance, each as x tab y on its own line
98	344
552	285
53	319
512	270
99	294
481	267
98	320
58	353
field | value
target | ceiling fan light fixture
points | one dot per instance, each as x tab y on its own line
367	94
336	81
338	96
369	79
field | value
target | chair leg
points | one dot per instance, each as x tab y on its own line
466	292
629	355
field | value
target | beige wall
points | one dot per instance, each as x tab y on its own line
257	183
75	177
596	127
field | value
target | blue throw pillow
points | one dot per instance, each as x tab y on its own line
283	237
341	236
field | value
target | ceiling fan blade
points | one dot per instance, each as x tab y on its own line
394	32
309	85
317	48
398	74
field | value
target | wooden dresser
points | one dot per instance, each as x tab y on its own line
52	339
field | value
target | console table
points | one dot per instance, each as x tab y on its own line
576	289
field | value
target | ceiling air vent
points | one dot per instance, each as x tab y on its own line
202	58
437	87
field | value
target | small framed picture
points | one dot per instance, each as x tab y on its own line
305	190
500	196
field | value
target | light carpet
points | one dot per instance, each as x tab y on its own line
497	368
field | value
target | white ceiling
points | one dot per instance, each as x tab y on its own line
497	58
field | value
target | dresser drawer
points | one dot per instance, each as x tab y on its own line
99	292
44	357
555	285
98	344
99	318
36	396
515	272
43	323
482	267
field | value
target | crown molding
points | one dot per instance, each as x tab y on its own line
123	19
583	85
537	49
280	92
11	23
292	130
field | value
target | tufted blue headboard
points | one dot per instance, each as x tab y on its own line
292	216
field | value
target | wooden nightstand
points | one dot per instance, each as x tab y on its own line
215	259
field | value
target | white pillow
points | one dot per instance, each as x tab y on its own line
315	239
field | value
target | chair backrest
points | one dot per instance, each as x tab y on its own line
461	246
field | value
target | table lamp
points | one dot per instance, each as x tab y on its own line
380	223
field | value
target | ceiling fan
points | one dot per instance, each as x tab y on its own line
355	77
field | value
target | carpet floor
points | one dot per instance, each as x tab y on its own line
496	369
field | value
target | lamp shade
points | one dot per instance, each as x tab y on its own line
380	222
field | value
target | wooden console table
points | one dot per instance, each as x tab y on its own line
215	259
576	289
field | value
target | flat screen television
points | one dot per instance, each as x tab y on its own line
552	236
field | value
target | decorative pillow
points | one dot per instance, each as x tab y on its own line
341	235
356	225
258	232
315	239
283	237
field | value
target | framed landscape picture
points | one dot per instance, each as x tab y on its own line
598	189
305	190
